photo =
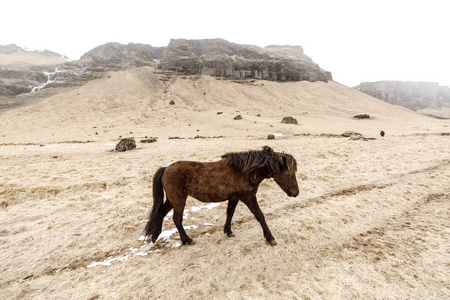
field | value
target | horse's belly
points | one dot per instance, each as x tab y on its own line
215	194
209	197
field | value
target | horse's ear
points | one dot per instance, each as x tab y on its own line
268	149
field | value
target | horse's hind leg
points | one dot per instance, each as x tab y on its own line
158	223
178	220
230	211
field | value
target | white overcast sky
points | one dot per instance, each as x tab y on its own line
357	40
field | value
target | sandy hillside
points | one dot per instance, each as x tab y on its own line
24	59
372	219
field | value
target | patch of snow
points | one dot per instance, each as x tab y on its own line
165	236
144	249
208	206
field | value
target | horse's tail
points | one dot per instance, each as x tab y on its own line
154	224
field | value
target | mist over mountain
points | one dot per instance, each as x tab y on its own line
425	97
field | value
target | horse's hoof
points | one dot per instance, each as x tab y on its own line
273	242
231	235
191	243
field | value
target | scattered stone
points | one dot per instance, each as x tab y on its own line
289	120
382	133
126	144
258	115
238	117
271	137
219	112
351	134
172	102
149	140
354	138
363	116
330	135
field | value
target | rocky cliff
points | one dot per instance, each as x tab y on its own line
119	56
28	71
412	95
220	58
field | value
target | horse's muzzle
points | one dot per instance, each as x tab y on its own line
292	193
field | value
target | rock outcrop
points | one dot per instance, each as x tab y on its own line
412	95
220	58
119	56
24	71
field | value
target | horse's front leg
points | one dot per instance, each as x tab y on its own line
232	202
252	203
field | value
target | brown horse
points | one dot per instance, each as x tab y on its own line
235	177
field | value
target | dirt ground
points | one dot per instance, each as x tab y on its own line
372	220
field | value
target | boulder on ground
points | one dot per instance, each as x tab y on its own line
289	120
238	117
362	116
126	144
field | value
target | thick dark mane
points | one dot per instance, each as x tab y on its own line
251	162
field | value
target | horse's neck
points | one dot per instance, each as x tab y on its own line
260	176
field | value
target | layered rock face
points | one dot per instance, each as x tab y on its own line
28	71
119	56
220	58
412	95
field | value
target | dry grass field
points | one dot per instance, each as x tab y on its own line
372	220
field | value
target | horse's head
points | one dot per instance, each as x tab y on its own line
284	174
